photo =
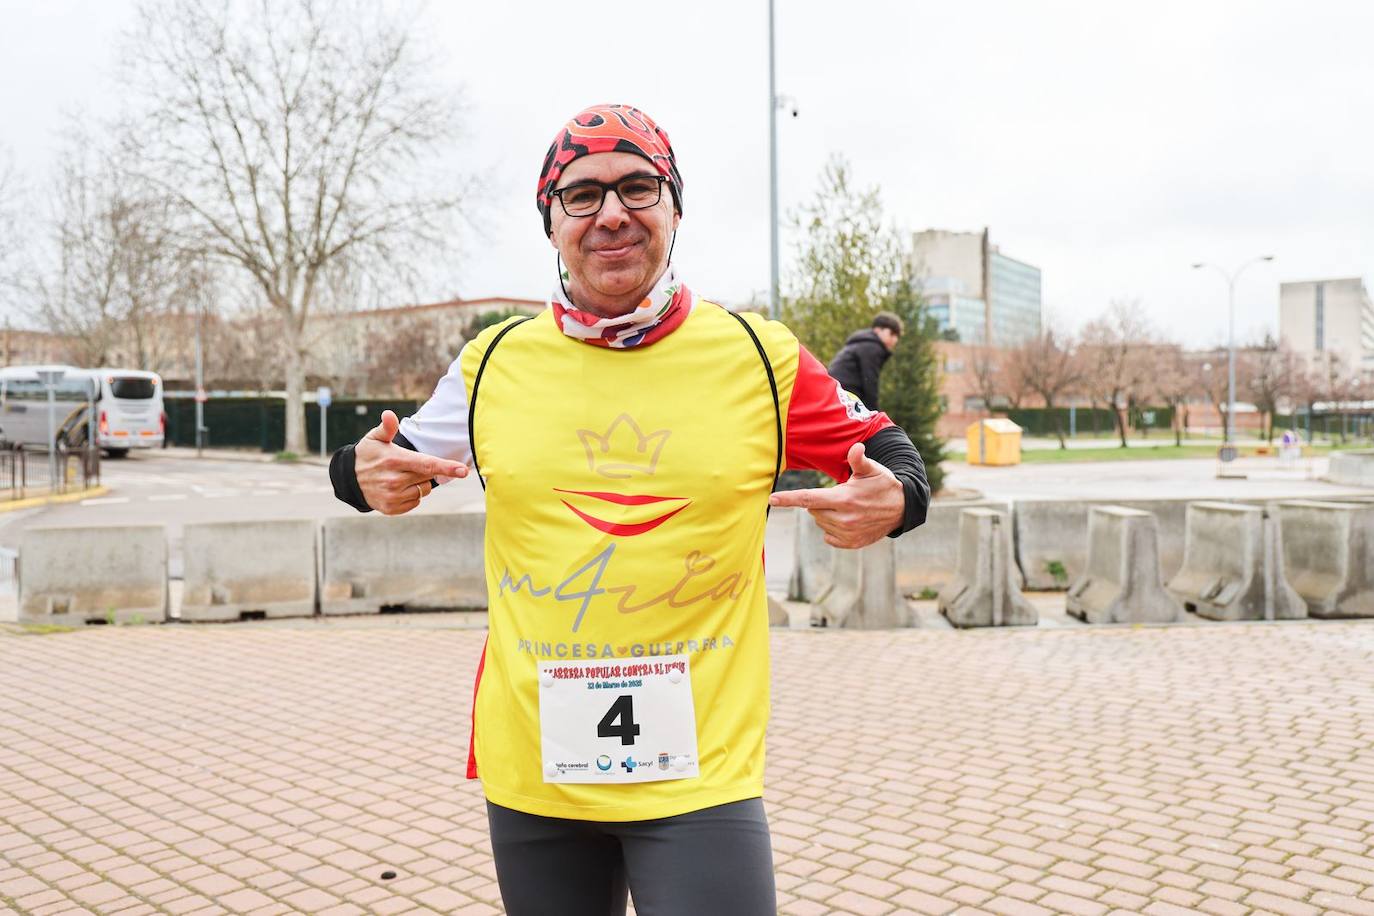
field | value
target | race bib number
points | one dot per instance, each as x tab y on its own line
621	721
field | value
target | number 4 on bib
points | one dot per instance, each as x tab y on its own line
623	711
621	722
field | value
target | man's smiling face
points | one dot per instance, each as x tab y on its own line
613	257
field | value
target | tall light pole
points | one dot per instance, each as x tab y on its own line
50	378
772	174
200	381
1231	278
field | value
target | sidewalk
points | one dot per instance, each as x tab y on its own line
278	769
235	454
959	444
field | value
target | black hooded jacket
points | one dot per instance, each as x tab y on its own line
857	365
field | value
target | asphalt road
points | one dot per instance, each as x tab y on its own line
1191	478
174	488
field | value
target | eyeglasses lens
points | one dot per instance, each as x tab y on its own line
582	200
636	193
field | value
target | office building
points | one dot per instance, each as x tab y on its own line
974	290
1322	318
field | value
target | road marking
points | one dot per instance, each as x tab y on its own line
105	501
166	497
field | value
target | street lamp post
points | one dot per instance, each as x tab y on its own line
200	384
49	378
1231	278
772	174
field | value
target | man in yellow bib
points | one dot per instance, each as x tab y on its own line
628	439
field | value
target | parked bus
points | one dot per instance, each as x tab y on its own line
126	403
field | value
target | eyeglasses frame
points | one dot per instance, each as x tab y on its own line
612	188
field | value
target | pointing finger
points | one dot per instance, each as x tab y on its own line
425	467
819	498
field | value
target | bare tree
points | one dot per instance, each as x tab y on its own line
243	350
1115	364
1210	378
986	368
1047	365
1303	392
406	363
159	283
1267	373
1338	384
11	238
1174	381
75	285
110	271
296	137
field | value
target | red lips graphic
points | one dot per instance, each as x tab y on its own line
624	529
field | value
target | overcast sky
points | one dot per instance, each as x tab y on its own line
1110	144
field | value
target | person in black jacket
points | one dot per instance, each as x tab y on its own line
859	361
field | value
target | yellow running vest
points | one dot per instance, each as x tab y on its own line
626	493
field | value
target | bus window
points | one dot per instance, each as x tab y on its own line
131	388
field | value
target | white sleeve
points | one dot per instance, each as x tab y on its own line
440	426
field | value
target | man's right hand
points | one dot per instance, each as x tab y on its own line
393	479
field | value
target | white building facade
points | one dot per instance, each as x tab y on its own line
975	291
1323	318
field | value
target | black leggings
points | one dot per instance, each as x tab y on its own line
716	861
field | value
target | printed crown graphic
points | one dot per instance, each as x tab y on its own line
624	449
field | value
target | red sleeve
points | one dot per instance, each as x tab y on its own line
824	420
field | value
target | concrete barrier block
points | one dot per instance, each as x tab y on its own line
780	548
811	561
983	592
1233	565
237	569
863	593
74	576
928	557
1121	583
1354	469
1328	555
415	562
1051	548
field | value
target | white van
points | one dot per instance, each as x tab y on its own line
128	409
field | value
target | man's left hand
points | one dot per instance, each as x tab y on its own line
858	512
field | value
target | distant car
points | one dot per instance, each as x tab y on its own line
127	404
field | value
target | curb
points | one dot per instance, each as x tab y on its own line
33	502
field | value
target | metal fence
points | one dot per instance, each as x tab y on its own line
27	470
261	422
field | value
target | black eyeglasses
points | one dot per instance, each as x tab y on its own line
636	192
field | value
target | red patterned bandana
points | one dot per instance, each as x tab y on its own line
658	315
607	129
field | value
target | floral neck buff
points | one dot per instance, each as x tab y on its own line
662	310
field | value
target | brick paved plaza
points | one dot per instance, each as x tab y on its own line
271	769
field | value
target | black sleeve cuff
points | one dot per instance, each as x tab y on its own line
344	477
343	474
891	448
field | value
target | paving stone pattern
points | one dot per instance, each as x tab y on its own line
1225	769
